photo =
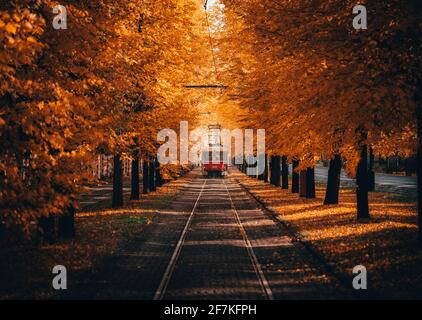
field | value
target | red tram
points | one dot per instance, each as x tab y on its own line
214	162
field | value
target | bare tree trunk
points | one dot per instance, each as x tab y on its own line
272	175
158	173
295	177
2	226
266	168
310	183
67	223
99	166
419	155
284	173
407	168
333	183
152	185
145	176
261	176
371	173
117	182
47	227
275	170
362	185
134	194
302	182
419	174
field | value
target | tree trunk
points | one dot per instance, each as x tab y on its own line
417	9
407	168
419	162
371	173
67	223
272	175
310	183
285	173
275	170
295	177
152	185
261	176
419	173
362	185
158	173
99	166
134	194
47	227
145	177
333	183
117	182
1	229
388	168
302	182
266	168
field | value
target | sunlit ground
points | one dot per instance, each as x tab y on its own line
25	271
386	245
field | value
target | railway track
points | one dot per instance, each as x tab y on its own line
213	242
260	277
255	263
161	290
298	240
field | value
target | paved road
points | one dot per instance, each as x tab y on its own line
383	182
212	242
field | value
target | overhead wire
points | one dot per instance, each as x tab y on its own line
210	40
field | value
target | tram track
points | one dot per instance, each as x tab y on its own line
266	291
298	240
212	242
161	290
255	263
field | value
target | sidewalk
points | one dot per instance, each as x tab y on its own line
389	183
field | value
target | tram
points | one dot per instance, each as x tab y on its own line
214	157
214	162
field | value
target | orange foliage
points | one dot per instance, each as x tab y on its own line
115	74
303	73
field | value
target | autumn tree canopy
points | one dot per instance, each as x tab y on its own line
318	85
116	75
106	83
